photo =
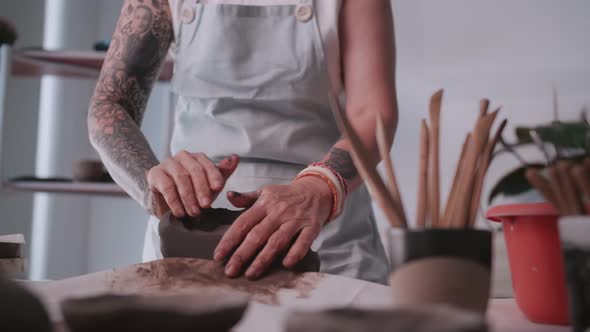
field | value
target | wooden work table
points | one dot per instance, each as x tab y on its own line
322	291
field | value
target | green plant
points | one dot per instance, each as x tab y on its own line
567	140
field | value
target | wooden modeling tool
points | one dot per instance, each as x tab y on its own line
434	168
556	187
422	206
444	222
543	185
460	207
482	169
384	151
368	173
580	175
572	200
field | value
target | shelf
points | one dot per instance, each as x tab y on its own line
73	64
85	188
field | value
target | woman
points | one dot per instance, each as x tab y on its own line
254	80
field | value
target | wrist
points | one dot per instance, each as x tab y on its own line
322	191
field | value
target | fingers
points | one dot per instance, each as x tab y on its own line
237	232
242	200
183	181
214	176
228	165
198	179
275	245
301	246
161	183
252	244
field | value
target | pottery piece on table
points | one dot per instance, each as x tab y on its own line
12	265
451	266
20	310
88	171
198	237
153	313
434	318
11	246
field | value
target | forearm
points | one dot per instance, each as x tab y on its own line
122	147
340	157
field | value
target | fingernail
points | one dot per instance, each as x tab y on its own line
231	270
253	272
288	261
217	256
194	210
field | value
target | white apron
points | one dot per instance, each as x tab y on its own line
253	80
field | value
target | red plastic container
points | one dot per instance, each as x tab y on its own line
536	261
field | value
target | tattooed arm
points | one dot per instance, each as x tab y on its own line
368	52
184	183
138	48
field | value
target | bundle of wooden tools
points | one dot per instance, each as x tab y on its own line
566	185
464	197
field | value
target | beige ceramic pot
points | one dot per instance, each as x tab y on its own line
449	266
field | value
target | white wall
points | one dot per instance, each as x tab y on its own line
512	52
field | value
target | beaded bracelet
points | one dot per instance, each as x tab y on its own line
337	174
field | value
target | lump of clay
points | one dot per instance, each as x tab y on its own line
20	310
197	237
153	313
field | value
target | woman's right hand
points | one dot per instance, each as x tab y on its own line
187	183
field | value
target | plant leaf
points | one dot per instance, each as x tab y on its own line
513	183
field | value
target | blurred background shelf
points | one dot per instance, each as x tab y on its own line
67	187
74	64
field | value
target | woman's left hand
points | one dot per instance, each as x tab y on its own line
278	215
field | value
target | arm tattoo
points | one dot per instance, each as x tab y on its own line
137	51
341	161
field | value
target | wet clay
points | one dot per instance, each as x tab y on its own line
198	237
152	313
181	275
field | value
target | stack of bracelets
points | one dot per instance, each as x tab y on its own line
334	180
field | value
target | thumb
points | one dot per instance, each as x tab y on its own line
242	200
228	165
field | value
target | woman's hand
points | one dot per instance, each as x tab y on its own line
281	217
187	183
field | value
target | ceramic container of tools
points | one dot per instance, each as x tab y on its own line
574	233
441	265
536	261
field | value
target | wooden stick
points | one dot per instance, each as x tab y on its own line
384	151
569	188
434	161
580	175
535	178
368	173
484	105
460	209
445	221
482	170
559	195
422	206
